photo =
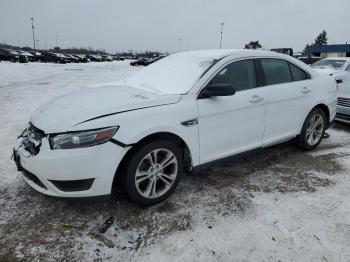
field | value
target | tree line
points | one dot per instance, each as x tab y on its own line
321	39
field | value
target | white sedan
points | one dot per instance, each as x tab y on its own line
180	113
338	67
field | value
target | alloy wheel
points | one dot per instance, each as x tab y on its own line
314	131
156	173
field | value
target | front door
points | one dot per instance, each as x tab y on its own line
232	124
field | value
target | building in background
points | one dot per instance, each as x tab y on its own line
329	50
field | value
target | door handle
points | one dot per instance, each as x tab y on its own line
256	99
305	90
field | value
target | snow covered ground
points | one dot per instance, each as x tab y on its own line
279	205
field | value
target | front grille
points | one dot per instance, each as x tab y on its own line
343	101
33	178
73	185
343	116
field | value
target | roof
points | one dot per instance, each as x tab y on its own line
220	53
177	73
329	48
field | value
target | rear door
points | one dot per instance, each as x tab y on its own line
288	94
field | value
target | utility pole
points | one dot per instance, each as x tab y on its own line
33	30
37	44
222	26
180	44
56	41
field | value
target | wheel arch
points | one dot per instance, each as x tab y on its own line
167	136
323	107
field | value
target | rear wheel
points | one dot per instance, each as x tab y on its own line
153	172
313	129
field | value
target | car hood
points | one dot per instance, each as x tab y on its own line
67	112
326	71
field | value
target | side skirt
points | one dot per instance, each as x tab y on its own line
199	168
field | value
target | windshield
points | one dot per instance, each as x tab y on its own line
329	63
175	74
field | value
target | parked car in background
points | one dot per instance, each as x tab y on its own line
72	58
29	56
141	61
119	58
338	67
82	58
107	58
55	58
37	56
8	55
187	110
155	59
12	56
94	58
309	59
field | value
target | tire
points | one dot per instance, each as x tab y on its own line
155	182
311	135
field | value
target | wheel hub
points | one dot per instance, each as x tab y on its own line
156	173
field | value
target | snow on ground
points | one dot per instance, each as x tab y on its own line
279	205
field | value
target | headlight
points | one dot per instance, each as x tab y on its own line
82	138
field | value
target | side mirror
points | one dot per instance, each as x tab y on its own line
217	90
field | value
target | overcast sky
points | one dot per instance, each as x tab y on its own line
159	24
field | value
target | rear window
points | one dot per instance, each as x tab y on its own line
276	71
297	73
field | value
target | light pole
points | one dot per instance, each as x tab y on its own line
33	30
180	44
222	26
37	44
56	41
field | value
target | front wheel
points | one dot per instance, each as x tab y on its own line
153	172
313	129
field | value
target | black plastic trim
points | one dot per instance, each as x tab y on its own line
198	168
73	185
121	144
89	199
191	122
260	74
33	178
343	116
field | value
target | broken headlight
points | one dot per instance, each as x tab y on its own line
80	139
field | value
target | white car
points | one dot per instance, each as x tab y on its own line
181	112
339	68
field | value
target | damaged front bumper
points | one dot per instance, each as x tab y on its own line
81	172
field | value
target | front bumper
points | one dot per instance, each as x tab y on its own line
91	170
343	110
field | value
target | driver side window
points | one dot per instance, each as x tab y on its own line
240	74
